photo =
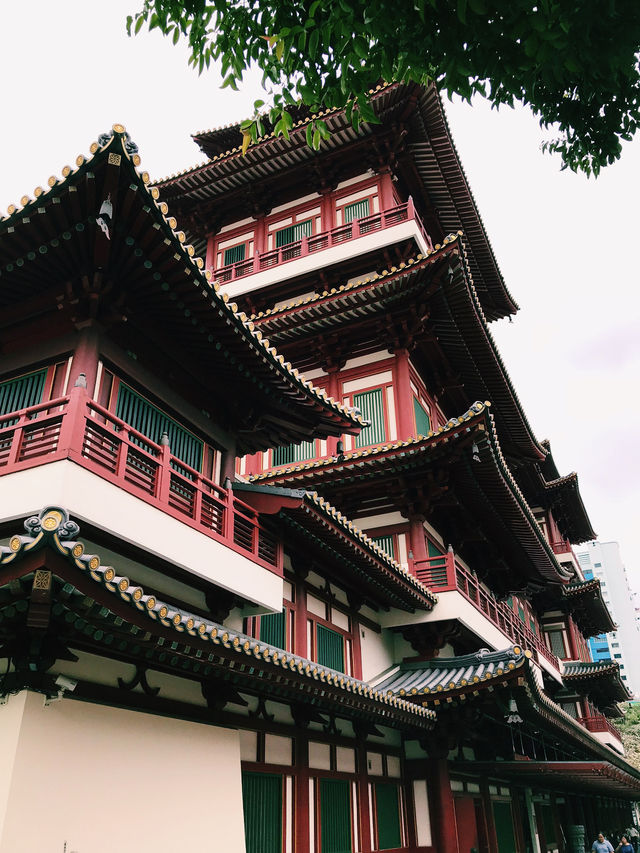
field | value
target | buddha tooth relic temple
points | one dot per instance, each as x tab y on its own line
283	566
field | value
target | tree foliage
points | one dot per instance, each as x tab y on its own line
574	62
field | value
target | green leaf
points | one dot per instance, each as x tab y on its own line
139	24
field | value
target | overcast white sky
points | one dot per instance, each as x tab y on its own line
565	244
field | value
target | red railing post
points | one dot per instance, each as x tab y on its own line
122	437
73	424
16	441
411	210
450	562
197	499
163	484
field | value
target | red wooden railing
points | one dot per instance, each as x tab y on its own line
325	240
444	573
599	723
75	427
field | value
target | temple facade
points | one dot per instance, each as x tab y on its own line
284	568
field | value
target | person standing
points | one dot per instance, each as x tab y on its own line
624	846
601	845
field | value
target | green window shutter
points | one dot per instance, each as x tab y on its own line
388	815
433	550
335	816
262	803
294	453
510	602
234	254
272	629
22	392
423	424
141	415
330	648
504	826
357	210
294	232
557	643
386	543
532	624
521	612
372	408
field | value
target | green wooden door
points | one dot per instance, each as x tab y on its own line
262	803
504	827
272	629
335	816
330	648
388	815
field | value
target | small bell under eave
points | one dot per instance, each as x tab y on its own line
105	216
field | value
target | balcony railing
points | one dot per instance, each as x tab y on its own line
75	427
444	573
599	723
325	240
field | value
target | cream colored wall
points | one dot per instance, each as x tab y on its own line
10	722
105	780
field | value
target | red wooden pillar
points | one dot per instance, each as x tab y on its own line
363	798
260	237
327	211
444	812
227	465
574	650
85	360
356	649
301	798
210	258
333	390
385	185
403	395
300	621
417	540
492	838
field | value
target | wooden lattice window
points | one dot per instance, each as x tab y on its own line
423	422
137	412
294	232
371	405
22	392
387	545
294	453
356	210
234	254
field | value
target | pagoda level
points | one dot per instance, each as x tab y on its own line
335	611
368	267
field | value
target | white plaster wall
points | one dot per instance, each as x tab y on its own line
377	652
327	257
90	498
105	780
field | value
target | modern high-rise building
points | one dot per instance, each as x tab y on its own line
283	567
602	560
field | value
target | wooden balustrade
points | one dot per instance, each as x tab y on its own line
599	723
75	427
444	573
308	245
